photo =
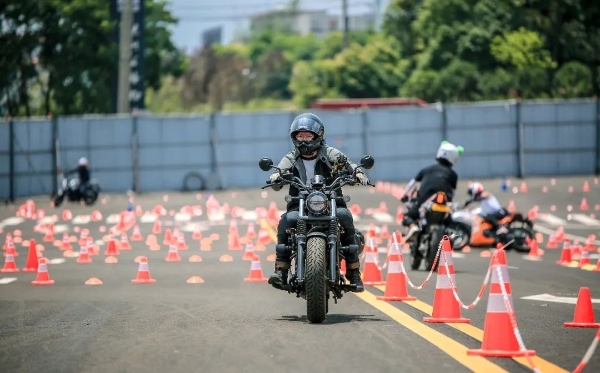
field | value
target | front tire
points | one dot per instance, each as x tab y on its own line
315	280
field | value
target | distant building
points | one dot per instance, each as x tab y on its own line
305	22
212	36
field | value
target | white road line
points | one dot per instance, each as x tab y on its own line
112	219
11	221
383	217
148	218
7	280
82	219
586	220
548	231
551	219
57	260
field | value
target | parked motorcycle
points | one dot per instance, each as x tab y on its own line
315	244
71	189
479	234
433	215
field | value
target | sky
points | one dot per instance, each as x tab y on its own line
195	16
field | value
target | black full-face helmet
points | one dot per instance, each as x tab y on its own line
307	122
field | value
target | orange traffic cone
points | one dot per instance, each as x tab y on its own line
136	235
124	246
66	244
565	254
249	254
9	264
445	307
396	288
371	271
234	242
143	274
84	255
156	228
111	248
42	278
256	274
499	339
173	254
32	258
584	312
534	253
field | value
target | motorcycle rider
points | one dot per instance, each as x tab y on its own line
310	157
439	177
491	210
83	173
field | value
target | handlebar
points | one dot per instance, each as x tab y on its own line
339	182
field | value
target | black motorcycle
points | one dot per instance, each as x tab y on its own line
433	218
315	242
75	193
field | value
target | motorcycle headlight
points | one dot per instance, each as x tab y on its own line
317	202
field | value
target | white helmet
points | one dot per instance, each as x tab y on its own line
82	161
475	189
449	152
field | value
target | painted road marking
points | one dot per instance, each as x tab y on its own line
250	215
586	220
476	333
555	299
551	219
446	344
11	221
7	280
383	217
147	218
82	219
112	219
58	260
548	231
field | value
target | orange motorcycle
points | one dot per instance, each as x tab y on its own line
520	229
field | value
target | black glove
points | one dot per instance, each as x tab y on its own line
404	198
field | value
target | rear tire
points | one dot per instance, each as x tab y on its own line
435	236
315	280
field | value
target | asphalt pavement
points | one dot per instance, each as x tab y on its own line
227	324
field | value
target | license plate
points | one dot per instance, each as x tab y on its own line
518	224
440	208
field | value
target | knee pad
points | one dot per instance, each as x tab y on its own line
360	241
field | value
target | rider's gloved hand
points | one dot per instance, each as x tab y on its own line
362	178
275	177
404	198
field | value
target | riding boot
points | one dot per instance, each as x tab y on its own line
353	275
279	278
282	265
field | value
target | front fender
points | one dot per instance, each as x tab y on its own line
317	234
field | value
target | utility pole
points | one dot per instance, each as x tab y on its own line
377	15
345	19
124	56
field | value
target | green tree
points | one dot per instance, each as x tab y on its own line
522	49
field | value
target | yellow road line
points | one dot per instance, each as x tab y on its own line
454	349
476	333
448	345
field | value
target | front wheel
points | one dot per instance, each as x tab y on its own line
315	280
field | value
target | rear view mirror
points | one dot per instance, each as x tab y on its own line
367	162
265	164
